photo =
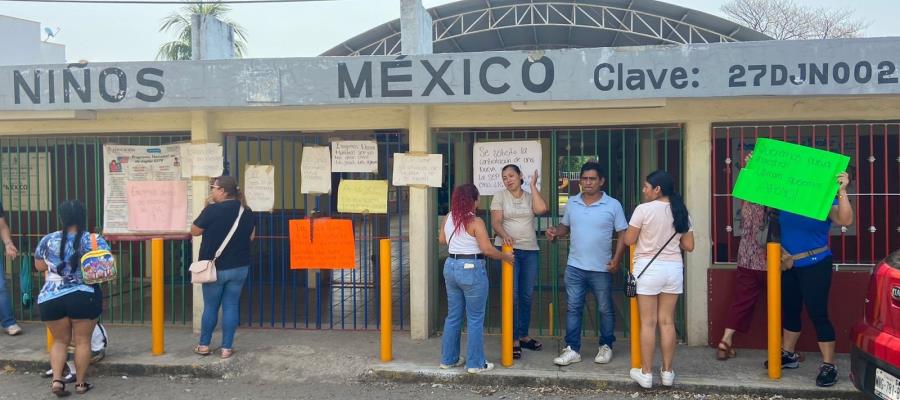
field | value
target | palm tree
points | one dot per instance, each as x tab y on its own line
180	22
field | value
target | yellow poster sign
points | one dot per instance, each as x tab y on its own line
362	196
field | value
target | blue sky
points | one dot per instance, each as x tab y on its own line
104	32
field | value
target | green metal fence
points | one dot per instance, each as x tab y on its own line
38	173
628	154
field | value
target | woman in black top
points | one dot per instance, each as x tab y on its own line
232	266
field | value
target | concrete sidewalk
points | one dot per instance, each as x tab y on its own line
338	356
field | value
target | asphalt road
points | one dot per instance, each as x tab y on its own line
20	385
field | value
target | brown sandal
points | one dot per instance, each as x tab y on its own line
724	351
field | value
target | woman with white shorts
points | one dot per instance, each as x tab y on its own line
660	228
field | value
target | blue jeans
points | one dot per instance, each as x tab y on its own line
525	271
7	318
467	293
578	281
225	292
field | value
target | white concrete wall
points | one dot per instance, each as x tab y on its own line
20	44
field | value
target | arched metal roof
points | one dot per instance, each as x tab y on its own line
486	25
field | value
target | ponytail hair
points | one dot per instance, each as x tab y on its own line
72	213
230	186
666	184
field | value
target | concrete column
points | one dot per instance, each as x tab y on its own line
211	38
202	131
422	214
697	194
415	28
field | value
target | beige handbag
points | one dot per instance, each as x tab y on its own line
204	271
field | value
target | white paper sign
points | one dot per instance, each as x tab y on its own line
187	168
26	181
418	169
259	187
206	159
315	170
354	156
490	157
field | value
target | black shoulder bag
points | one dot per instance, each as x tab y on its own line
631	281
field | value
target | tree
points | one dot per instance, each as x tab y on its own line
180	23
787	20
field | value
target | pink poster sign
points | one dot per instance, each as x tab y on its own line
157	206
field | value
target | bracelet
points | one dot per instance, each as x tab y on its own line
842	195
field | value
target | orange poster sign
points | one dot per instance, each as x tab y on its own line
329	245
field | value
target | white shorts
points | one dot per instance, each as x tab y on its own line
661	277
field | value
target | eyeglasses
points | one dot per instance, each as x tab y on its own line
211	187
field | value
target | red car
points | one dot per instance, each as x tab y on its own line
875	351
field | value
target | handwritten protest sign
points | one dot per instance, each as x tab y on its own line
259	187
315	170
206	159
157	206
328	245
490	157
354	156
411	169
362	196
790	177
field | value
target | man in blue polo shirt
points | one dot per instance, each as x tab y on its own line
591	218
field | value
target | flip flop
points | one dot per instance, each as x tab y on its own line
531	344
197	350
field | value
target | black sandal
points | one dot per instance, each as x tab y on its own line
61	390
82	388
531	344
517	352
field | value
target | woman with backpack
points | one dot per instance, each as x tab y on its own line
69	306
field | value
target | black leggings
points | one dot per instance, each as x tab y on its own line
807	285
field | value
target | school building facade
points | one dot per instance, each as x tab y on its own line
657	88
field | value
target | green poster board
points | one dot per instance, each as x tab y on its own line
791	177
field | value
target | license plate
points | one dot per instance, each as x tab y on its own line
886	385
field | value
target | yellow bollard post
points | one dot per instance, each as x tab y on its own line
506	327
157	297
635	319
550	306
49	340
773	264
387	318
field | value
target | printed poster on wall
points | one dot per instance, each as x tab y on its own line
141	166
259	187
490	157
26	181
354	156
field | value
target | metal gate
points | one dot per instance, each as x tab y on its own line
628	154
37	174
874	150
279	297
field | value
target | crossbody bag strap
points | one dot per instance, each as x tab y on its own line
657	255
230	234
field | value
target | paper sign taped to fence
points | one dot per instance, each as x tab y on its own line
410	169
490	157
157	206
207	159
791	177
362	196
354	156
259	187
315	170
328	245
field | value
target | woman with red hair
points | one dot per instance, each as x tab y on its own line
466	280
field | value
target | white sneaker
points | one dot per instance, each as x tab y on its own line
460	363
668	377
13	329
603	355
645	380
567	357
487	367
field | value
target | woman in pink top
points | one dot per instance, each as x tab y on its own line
660	229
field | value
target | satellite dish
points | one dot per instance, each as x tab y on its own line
50	33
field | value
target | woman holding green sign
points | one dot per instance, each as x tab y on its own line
807	265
